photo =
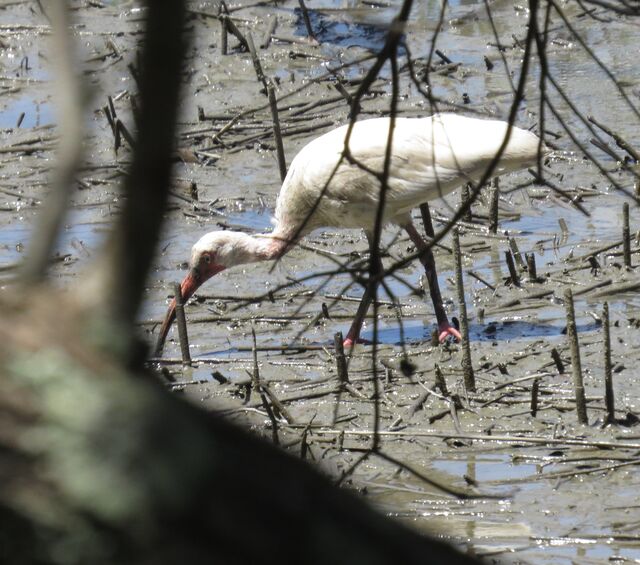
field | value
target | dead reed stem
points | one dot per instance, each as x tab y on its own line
576	367
467	366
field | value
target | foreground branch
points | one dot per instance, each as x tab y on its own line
107	468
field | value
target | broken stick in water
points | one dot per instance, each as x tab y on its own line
467	366
576	368
182	326
608	379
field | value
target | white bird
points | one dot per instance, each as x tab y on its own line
430	157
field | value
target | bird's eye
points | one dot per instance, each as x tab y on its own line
206	258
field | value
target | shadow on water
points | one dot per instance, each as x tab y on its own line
328	29
416	332
514	329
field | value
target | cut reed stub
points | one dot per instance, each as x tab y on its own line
576	367
626	235
609	400
181	321
467	365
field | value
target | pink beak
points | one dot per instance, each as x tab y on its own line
189	285
194	279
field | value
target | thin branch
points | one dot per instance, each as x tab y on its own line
130	249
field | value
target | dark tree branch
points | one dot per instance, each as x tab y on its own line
133	242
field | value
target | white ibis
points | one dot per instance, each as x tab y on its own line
430	157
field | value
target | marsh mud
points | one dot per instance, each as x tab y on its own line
501	482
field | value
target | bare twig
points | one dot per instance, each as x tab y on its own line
576	367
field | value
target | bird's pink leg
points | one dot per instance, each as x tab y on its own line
353	336
445	329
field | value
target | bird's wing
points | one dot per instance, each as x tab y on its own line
424	165
430	157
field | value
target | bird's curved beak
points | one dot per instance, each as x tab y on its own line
194	279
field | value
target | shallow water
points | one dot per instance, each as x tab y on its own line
35	113
81	236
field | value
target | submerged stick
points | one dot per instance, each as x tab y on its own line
181	320
626	235
609	400
467	366
277	133
576	368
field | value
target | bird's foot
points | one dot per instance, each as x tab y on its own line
446	330
349	342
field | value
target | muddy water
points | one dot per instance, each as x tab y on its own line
550	502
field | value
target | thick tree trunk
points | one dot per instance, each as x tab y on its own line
101	466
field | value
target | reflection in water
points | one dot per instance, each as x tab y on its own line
472	479
343	33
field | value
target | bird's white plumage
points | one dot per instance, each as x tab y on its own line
430	157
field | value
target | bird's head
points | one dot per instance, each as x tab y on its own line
211	254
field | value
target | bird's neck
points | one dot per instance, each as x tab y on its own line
268	246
